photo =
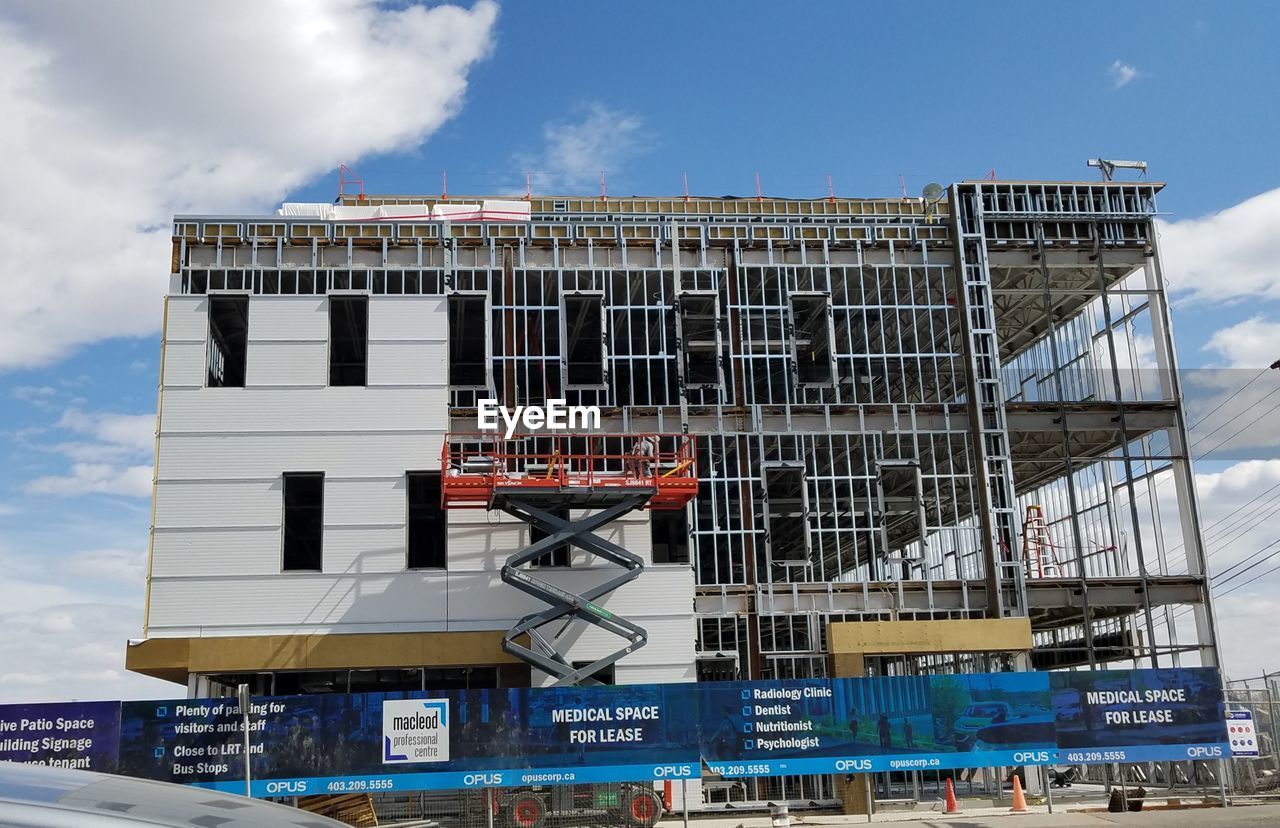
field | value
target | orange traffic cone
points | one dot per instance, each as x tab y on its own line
1019	799
952	806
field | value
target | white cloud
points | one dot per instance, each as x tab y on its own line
1121	74
574	154
95	478
36	395
73	651
135	432
1227	256
1253	343
110	462
123	114
67	620
115	565
1239	518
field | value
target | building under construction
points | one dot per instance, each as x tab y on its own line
854	414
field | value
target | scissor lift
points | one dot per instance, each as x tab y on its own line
536	479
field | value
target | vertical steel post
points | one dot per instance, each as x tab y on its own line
242	692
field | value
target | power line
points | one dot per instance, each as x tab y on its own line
1263	560
1250	581
1234	394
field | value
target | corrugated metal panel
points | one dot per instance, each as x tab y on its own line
288	317
188	319
326	410
210	552
407	363
364	501
184	364
231	456
235	503
408	317
287	363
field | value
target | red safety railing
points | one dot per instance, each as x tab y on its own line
474	465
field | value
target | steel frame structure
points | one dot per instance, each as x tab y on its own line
1012	341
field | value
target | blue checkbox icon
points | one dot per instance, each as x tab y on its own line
746	711
162	711
746	695
749	744
159	753
747	727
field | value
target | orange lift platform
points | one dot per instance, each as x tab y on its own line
540	479
479	471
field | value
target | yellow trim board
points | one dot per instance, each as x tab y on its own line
953	636
173	659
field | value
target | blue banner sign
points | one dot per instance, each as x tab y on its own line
876	724
1139	715
83	735
330	743
417	741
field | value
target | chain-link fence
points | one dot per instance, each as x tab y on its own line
616	804
644	804
1257	776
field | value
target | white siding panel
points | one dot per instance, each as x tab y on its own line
407	363
364	551
209	552
483	596
407	600
627	673
479	547
302	410
234	503
288	317
188	319
670	642
184	364
475	546
408	317
363	502
296	600
230	456
287	363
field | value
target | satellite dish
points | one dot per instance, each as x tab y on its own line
932	191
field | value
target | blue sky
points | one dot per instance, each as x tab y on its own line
865	93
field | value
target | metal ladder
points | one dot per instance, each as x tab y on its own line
564	604
1038	551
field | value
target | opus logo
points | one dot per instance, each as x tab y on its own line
473	779
1031	756
415	730
296	787
557	415
1204	752
676	771
853	765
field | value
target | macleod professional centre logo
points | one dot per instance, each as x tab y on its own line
416	730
